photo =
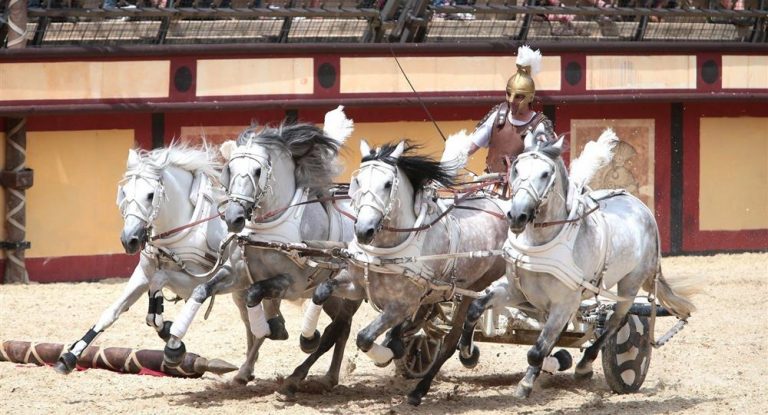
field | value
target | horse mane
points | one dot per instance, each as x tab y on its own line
545	147
313	152
420	170
185	156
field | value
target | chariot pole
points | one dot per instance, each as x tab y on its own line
16	179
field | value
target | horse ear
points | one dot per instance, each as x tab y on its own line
559	143
227	148
365	149
133	158
398	150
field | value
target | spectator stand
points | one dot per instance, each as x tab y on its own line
89	22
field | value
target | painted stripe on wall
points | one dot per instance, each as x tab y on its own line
279	76
641	72
439	74
733	174
84	80
745	72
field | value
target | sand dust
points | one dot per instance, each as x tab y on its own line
718	364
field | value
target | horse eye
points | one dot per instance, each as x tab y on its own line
387	185
151	196
545	175
258	172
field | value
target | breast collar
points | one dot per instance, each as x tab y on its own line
191	244
556	256
284	228
375	257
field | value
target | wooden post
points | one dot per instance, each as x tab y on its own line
17	24
16	178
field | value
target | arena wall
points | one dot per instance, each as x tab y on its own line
695	135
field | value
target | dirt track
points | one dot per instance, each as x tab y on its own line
718	364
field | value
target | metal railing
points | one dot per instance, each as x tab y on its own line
89	22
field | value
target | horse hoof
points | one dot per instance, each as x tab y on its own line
385	364
471	361
523	391
66	364
287	392
414	399
580	376
174	357
277	329
311	344
564	359
243	380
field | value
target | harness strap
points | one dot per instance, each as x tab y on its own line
470	192
181	228
564	221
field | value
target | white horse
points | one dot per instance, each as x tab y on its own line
567	244
397	217
162	192
272	175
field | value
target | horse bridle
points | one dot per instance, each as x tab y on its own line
359	199
260	186
132	206
526	185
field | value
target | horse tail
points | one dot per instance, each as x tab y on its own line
673	295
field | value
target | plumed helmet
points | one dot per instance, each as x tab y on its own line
521	83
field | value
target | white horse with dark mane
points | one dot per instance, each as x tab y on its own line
278	183
397	217
162	192
567	244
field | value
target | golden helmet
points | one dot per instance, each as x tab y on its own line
521	83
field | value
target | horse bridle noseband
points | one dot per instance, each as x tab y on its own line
260	186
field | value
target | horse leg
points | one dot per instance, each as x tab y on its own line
245	374
137	284
497	295
446	351
267	289
276	321
558	318
366	338
584	367
174	351
336	333
342	286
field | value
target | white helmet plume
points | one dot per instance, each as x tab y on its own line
529	57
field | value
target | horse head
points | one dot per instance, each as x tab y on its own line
533	176
384	189
246	176
138	198
298	155
374	189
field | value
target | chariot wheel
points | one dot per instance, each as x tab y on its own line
423	345
627	355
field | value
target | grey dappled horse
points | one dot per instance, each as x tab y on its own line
269	173
561	251
391	191
163	190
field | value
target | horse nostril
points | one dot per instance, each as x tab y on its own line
369	233
523	218
239	221
133	244
509	215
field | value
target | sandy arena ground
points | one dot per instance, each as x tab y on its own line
718	364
